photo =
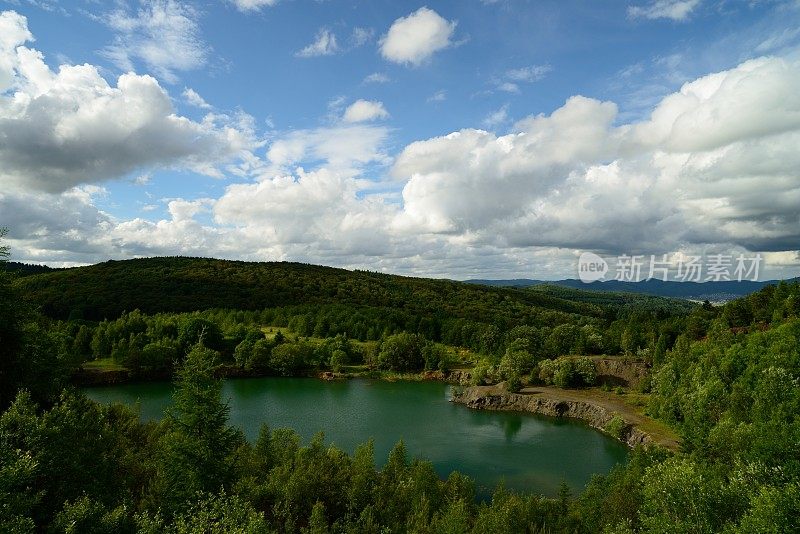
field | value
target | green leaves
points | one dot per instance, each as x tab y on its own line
196	455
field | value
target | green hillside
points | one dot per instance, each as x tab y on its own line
179	284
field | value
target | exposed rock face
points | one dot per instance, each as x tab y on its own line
621	372
488	398
458	376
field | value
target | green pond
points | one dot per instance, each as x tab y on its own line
531	453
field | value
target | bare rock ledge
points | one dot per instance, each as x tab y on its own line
495	398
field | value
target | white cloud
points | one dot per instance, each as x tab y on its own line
508	87
438	96
787	37
193	98
324	45
496	118
364	111
163	34
510	81
528	74
464	181
664	9
319	209
143	179
377	77
361	36
715	165
253	5
344	148
415	38
756	99
13	32
72	127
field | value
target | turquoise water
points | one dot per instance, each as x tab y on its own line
531	453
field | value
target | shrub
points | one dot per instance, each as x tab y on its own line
196	330
547	369
160	355
402	352
479	373
290	358
568	372
513	384
563	375
616	426
435	356
338	360
585	371
515	362
260	355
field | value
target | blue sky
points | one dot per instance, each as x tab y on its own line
314	131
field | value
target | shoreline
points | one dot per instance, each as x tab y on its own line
608	415
611	418
84	377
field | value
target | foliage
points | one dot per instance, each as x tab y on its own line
513	383
324	302
568	372
402	352
616	426
195	453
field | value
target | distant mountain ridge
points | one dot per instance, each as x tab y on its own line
713	291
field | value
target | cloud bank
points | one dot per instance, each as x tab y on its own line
712	167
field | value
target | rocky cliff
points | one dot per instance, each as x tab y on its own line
612	423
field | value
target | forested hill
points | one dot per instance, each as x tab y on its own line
178	284
26	269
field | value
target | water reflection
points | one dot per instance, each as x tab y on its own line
511	426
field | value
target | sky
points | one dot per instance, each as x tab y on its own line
460	139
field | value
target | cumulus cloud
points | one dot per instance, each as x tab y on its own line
364	111
318	208
324	44
756	99
466	180
72	127
415	38
664	9
252	5
13	32
714	164
162	34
